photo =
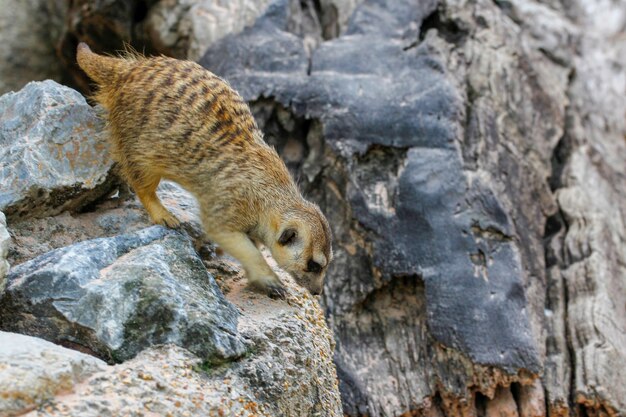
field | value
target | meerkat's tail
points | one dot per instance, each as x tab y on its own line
102	69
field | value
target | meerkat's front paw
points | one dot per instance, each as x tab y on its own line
270	285
166	219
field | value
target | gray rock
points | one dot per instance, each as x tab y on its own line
5	240
110	217
53	150
116	296
33	371
30	29
186	28
289	372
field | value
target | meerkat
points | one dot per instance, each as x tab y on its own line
175	120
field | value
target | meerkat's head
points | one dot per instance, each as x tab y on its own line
302	246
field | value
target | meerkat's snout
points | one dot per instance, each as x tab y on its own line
303	248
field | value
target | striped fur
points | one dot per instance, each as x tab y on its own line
175	120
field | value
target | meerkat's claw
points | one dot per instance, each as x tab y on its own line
277	291
146	192
167	220
272	287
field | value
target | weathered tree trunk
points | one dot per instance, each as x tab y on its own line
471	159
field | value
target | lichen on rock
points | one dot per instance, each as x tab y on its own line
5	240
117	296
288	371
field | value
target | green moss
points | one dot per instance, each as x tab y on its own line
204	367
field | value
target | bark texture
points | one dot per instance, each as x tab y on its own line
469	156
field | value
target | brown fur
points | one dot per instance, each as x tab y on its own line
173	119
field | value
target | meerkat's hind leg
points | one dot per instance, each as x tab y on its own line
260	275
145	186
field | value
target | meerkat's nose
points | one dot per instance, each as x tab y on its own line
317	291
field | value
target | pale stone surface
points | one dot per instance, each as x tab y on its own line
113	216
532	401
33	371
289	372
53	149
586	361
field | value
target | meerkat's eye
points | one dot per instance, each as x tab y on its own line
313	266
288	237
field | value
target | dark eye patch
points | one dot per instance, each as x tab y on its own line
313	266
288	237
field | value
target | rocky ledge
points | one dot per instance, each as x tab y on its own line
136	313
286	371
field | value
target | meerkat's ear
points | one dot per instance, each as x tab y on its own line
288	236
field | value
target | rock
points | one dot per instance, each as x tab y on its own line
5	241
437	137
334	16
289	372
53	150
186	28
166	380
35	237
292	368
27	51
116	296
110	217
180	28
33	371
